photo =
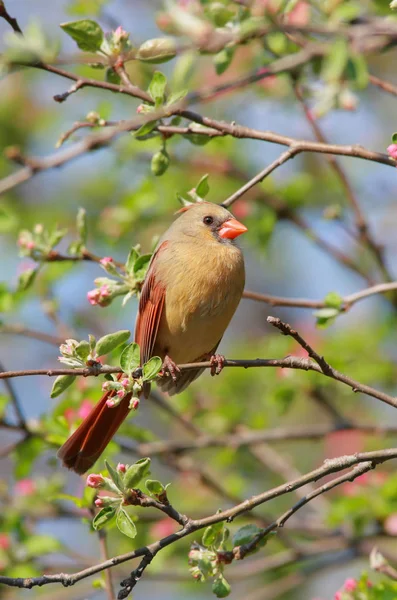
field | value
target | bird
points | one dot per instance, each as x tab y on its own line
191	291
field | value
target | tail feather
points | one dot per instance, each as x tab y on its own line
90	439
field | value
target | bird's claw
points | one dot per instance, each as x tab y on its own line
217	363
170	368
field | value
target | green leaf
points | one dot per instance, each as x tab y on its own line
176	97
61	383
154	487
245	534
25	455
394	138
132	257
157	86
26	279
202	188
136	472
157	51
83	350
125	524
130	358
223	59
87	34
116	477
212	534
152	368
109	342
335	62
81	224
111	76
325	316
145	129
333	300
141	266
221	587
103	517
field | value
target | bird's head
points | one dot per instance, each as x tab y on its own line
207	221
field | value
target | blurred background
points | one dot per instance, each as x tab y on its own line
287	253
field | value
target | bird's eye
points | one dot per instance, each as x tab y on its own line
208	220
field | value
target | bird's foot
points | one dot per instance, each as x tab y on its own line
217	363
170	368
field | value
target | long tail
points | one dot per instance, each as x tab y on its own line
88	442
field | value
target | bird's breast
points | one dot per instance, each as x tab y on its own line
203	289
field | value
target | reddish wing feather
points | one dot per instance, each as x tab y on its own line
151	306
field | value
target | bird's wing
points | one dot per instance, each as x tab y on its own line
151	304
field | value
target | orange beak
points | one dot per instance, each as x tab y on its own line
231	229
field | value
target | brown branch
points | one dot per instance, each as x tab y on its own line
315	362
370	460
7	17
14	399
386	86
347	301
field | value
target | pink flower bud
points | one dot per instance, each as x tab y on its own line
92	297
30	245
98	502
106	260
134	404
125	382
110	403
95	480
392	150
121	468
140	108
350	585
120	394
338	596
84	409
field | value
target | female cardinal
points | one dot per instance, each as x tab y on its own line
192	288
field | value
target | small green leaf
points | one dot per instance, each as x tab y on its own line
109	342
132	257
26	279
4	400
130	358
152	368
154	487
136	472
335	62
104	516
145	129
325	316
111	76
157	86
25	455
141	266
87	34
125	524
81	224
83	350
223	59
172	99
212	534
202	188
61	383
333	300
394	138
245	534
116	477
221	587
